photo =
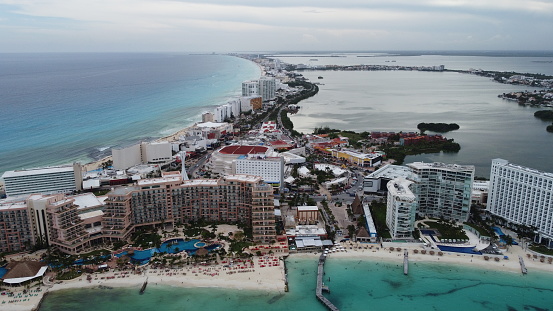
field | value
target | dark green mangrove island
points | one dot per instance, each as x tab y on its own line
437	127
545	115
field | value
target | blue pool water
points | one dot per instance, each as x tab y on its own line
501	235
455	249
170	247
3	271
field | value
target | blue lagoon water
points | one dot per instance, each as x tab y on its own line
355	285
59	108
490	127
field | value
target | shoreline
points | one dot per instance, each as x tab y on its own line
96	164
272	278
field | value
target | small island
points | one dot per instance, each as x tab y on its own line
545	115
437	127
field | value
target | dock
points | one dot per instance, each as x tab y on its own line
143	288
321	287
522	265
405	262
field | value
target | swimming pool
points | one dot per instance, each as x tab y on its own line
3	272
172	246
501	235
456	249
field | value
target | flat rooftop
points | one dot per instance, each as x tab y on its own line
13	205
161	180
38	171
523	168
307	208
242	150
86	200
439	165
391	171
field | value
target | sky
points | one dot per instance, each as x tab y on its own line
278	25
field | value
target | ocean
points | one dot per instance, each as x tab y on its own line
354	284
59	108
490	127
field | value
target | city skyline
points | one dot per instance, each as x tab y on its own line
220	26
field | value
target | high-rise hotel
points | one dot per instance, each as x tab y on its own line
522	196
74	224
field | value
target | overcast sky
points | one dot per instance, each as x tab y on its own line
277	25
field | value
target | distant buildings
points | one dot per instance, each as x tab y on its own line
143	153
357	158
248	103
265	87
522	196
222	159
250	88
58	179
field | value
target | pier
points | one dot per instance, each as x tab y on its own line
405	262
143	289
321	287
522	265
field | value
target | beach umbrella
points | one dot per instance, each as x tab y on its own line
392	249
440	254
416	251
202	252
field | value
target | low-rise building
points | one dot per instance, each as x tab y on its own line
357	158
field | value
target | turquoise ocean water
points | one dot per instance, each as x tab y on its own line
354	284
59	108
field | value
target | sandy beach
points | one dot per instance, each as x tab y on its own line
265	274
361	251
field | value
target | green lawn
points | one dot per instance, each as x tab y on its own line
542	250
448	231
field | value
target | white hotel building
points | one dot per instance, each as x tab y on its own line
49	180
443	190
270	169
523	196
401	208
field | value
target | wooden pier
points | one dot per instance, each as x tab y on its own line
143	288
405	262
522	265
321	287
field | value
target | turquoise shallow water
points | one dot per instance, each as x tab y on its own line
354	284
58	108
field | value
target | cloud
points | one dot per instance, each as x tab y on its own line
249	24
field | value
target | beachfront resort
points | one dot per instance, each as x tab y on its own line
224	202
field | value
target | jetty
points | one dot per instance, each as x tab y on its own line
522	265
143	288
405	262
321	287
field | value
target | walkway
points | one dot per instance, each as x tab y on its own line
320	285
